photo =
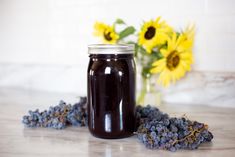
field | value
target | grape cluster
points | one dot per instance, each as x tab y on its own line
156	130
59	116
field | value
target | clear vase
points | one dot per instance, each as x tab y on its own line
149	94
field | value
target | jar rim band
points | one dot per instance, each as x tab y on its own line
111	49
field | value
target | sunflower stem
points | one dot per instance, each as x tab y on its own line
141	97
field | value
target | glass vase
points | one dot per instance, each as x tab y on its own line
149	94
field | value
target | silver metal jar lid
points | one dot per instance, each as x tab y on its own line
111	49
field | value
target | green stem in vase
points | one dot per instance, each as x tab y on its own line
140	99
144	90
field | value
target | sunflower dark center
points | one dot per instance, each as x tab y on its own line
173	60
149	34
107	36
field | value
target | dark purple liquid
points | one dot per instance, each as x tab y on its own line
111	95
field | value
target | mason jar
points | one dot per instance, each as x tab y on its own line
111	90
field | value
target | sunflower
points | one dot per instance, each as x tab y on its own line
177	59
106	32
153	33
188	35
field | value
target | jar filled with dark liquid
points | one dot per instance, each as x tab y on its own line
111	91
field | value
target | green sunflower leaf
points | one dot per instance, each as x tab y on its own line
131	42
156	55
126	32
119	21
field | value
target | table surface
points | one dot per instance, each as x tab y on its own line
16	140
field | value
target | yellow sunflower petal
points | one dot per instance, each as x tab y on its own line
164	52
158	62
158	69
164	78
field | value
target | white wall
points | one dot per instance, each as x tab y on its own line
58	31
55	33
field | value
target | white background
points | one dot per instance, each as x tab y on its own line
58	31
43	43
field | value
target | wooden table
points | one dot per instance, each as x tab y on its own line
16	140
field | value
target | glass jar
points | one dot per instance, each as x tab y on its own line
111	91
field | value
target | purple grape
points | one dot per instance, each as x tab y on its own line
156	130
59	116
